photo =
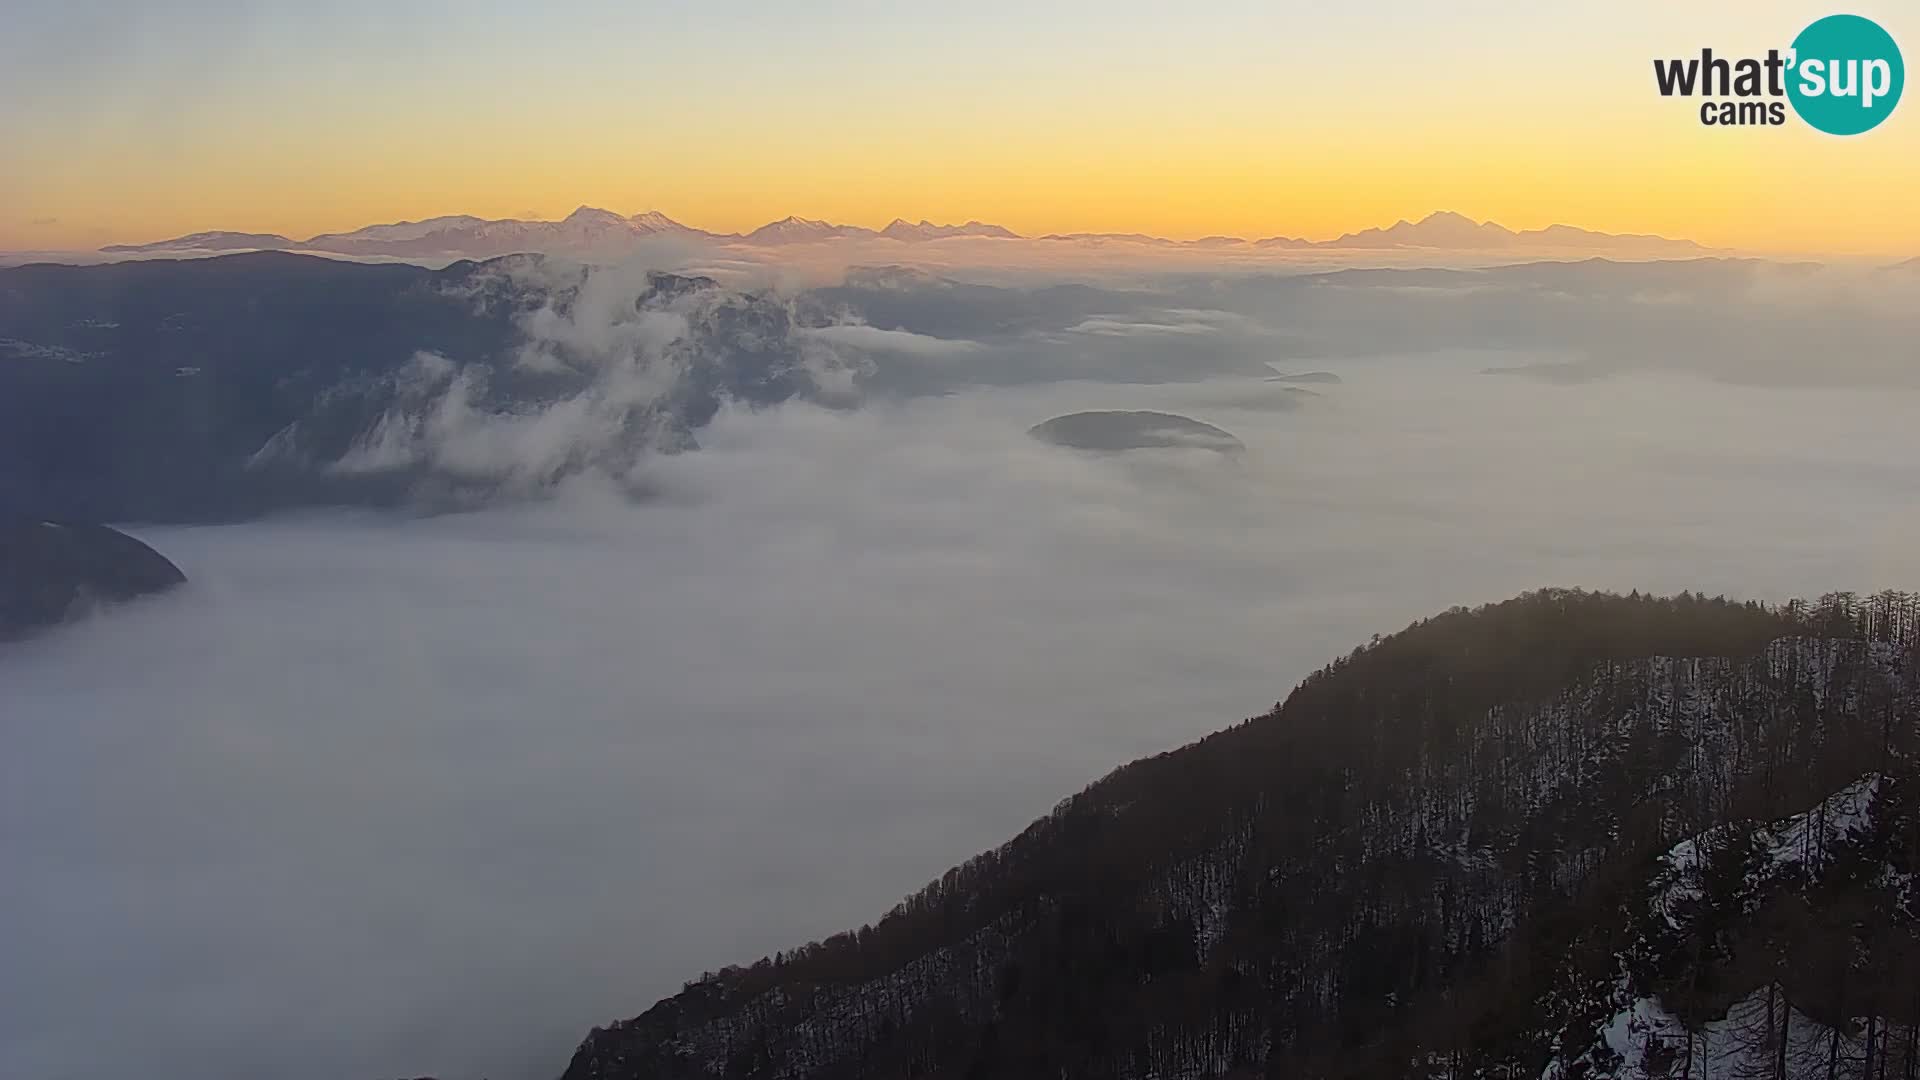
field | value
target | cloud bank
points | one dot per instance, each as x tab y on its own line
378	796
609	365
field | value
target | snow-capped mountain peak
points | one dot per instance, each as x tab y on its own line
795	229
593	215
653	221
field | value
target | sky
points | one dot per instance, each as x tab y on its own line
123	121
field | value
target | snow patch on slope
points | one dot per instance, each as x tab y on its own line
1800	842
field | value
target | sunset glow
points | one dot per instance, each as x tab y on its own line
126	124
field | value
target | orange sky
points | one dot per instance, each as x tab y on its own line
1254	120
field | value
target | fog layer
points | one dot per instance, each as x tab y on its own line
377	796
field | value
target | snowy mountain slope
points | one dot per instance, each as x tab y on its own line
1433	859
1763	1033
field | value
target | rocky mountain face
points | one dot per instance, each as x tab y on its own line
1567	835
51	572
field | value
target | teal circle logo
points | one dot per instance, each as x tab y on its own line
1846	75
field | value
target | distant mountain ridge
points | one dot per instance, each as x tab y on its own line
591	230
1446	229
793	229
900	229
210	241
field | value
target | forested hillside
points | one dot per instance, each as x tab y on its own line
1569	834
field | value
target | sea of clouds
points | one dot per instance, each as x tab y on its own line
381	794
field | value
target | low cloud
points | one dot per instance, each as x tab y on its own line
1172	321
872	339
1101	324
612	364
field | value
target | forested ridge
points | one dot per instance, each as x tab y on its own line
1569	834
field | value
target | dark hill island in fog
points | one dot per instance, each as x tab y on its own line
1567	835
51	572
1134	430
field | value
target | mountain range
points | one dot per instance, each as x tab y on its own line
592	231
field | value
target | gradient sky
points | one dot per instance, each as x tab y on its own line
131	121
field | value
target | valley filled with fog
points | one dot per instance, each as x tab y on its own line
379	794
958	541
